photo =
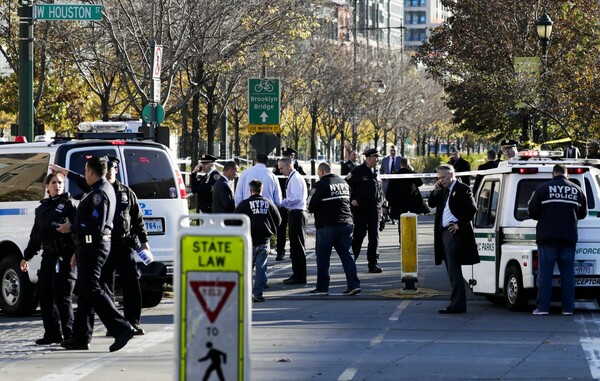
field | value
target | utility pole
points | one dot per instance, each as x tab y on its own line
26	111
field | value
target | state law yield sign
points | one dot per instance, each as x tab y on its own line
264	105
213	283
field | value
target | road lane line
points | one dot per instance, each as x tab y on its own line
590	342
81	369
396	315
349	373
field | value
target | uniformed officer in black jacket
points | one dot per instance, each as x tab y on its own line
202	185
92	226
282	229
56	278
128	229
367	200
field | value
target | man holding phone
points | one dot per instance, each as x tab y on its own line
454	239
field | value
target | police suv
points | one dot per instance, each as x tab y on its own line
146	166
505	233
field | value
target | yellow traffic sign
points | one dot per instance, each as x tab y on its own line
255	128
213	299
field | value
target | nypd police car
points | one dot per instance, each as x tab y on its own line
146	166
505	233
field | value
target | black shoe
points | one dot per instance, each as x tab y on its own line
122	340
354	291
356	257
294	281
138	331
109	334
280	257
71	344
375	269
258	299
318	292
451	310
48	340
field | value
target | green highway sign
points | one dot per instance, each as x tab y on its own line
264	105
72	12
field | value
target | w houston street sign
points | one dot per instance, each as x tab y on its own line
67	12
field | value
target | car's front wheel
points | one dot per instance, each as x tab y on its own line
18	297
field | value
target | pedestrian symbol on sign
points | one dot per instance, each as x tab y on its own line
214	355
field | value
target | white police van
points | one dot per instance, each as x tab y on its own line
146	166
505	233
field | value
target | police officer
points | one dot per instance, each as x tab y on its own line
202	185
509	148
557	205
56	278
128	228
330	203
92	226
367	200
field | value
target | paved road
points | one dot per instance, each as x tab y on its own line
384	333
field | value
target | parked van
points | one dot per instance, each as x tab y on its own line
146	166
505	233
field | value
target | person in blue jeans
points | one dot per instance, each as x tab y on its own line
264	220
330	204
557	205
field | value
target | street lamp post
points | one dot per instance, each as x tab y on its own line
544	30
381	87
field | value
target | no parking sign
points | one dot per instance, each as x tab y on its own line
213	281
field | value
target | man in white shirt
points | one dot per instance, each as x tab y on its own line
271	188
295	203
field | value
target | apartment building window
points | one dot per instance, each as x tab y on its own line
418	35
415	3
416	17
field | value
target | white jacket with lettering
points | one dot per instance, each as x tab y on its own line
557	206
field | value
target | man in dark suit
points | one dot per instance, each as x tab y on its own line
389	164
491	163
454	239
460	165
349	164
222	195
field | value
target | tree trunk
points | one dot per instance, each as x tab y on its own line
195	128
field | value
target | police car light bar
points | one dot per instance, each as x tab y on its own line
102	126
537	153
525	170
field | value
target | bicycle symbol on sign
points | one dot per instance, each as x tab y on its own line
264	86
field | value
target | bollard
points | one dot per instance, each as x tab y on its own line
409	257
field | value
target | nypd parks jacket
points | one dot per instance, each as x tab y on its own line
557	205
